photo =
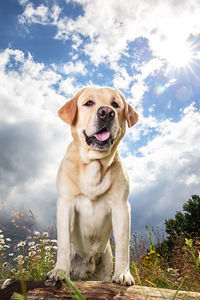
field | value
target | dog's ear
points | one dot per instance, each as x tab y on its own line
68	111
130	115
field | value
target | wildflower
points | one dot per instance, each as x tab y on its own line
1	231
54	241
8	240
45	234
37	233
5	264
151	252
32	253
11	254
13	270
2	241
21	244
47	248
20	260
31	243
46	241
32	248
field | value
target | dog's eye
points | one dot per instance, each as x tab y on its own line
89	103
115	104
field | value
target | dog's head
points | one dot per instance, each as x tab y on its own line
98	117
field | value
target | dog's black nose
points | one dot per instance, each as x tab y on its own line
105	113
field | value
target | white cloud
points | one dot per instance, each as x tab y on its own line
121	78
22	2
31	134
40	15
71	68
7	54
68	87
139	88
33	138
77	41
32	15
111	25
167	172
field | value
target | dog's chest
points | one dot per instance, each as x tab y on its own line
92	181
93	220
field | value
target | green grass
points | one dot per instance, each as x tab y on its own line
181	271
78	295
32	258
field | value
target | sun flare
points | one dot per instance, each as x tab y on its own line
178	54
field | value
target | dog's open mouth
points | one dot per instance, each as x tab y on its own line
101	140
102	135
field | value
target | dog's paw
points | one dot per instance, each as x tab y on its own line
57	274
124	278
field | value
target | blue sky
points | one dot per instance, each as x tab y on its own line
149	50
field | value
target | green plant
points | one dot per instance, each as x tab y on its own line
19	296
194	257
138	277
78	295
34	256
151	245
185	224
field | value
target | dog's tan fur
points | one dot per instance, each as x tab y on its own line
93	191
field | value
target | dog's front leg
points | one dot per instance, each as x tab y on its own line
65	225
121	231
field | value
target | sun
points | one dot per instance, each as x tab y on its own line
178	54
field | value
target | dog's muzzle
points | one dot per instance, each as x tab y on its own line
102	139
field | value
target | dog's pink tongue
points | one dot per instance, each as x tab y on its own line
102	136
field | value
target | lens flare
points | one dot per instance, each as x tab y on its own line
159	89
178	51
179	54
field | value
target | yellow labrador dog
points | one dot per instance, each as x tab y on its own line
93	189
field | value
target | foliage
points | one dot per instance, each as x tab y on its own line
155	263
181	271
185	224
77	293
31	258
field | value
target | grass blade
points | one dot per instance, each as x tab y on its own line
174	297
157	289
18	296
78	295
138	277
